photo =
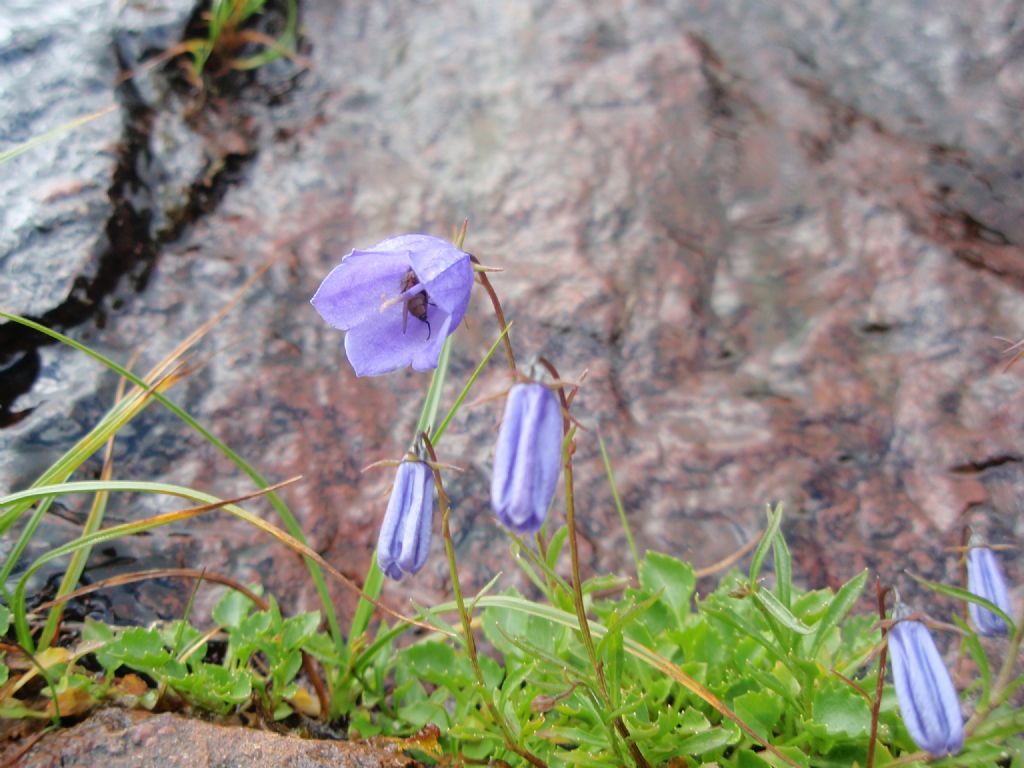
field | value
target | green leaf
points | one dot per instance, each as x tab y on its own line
97	632
743	626
747	759
179	636
502	625
673	578
841	605
713	738
783	569
977	653
421	713
436	662
760	709
373	584
142	650
774	521
770	604
5	619
284	670
216	688
232	607
298	629
841	711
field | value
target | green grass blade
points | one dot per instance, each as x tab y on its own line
433	399
60	130
773	607
618	504
774	521
841	604
125	529
783	569
289	520
469	383
372	585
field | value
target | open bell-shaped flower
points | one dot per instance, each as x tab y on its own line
924	689
528	457
985	579
398	302
405	534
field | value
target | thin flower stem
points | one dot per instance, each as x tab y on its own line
998	694
486	283
569	449
880	685
467	627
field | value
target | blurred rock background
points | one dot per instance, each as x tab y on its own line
781	237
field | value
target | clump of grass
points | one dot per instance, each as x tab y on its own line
232	44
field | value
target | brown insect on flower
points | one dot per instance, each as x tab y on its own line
416	305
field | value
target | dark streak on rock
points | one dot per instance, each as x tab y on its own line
975	467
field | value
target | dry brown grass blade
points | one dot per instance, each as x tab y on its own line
189	341
729	560
154	573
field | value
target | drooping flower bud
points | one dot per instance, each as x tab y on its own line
405	534
985	579
924	689
528	457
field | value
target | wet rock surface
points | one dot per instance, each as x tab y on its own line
118	739
781	240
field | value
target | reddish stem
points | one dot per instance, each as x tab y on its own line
880	685
486	283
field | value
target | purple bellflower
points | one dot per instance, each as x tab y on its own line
985	579
398	302
405	534
924	689
528	457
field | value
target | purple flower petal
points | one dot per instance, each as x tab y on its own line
446	277
924	690
382	346
985	579
527	458
370	296
354	291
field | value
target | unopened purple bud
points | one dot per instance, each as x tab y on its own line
985	579
528	457
924	689
405	534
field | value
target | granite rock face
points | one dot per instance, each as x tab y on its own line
119	739
781	241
